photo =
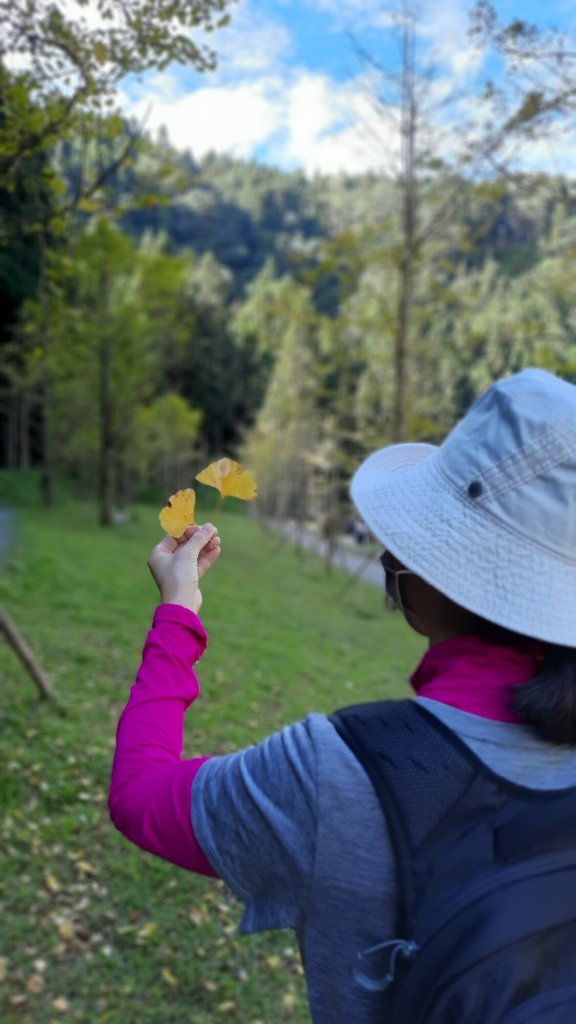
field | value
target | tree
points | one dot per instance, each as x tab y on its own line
25	214
98	334
408	108
165	435
215	372
534	95
74	64
60	66
287	428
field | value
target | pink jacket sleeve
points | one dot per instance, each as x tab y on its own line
150	796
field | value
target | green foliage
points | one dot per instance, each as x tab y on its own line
287	427
100	333
536	89
283	349
215	374
25	213
165	443
74	63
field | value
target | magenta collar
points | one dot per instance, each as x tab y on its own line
476	675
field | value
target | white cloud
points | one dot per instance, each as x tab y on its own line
555	156
444	27
231	119
259	103
357	15
334	127
301	119
252	43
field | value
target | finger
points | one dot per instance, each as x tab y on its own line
201	538
165	547
188	533
168	544
191	530
209	557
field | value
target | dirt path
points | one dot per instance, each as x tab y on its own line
354	560
5	530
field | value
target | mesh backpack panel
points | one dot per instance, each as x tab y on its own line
487	874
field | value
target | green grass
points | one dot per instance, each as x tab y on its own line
92	929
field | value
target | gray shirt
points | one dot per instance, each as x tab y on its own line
294	828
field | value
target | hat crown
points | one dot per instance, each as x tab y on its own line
513	456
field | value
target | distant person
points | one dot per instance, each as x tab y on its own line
361	533
450	897
357	531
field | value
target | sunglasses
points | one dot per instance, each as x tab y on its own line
392	580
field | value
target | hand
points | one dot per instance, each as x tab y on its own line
178	565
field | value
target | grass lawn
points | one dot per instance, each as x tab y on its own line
92	929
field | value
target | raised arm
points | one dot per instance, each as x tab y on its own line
150	790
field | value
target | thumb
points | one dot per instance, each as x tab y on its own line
200	538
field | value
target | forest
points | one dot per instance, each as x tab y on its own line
159	309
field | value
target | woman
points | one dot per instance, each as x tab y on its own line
480	538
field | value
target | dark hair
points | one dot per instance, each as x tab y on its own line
548	701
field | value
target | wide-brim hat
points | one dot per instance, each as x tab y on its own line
489	517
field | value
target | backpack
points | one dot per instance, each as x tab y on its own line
486	930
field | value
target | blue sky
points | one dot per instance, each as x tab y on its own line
290	90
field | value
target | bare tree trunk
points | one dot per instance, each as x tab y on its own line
409	191
24	429
106	468
330	534
3	429
47	468
402	347
12	430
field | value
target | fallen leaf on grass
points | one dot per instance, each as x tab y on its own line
83	867
147	930
35	983
168	977
198	916
228	1006
3	969
65	928
61	1004
179	512
51	882
231	479
288	1002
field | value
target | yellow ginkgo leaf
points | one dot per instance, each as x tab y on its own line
168	977
231	479
65	928
179	512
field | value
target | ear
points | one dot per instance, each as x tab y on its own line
421	604
416	624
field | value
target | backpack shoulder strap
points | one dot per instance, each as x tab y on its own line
419	770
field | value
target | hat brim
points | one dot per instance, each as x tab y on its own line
460	548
